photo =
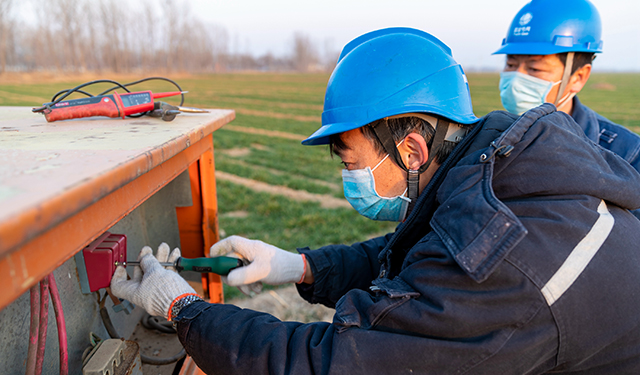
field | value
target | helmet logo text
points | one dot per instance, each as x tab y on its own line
518	31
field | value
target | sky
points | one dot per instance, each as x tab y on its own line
472	28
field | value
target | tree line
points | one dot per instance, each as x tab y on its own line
129	37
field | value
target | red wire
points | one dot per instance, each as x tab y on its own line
34	327
62	329
44	320
41	313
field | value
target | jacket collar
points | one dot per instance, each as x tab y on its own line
487	239
586	118
491	230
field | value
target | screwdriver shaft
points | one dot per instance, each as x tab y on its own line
136	263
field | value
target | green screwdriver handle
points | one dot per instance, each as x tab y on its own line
221	265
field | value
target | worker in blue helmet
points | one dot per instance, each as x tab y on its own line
550	46
515	252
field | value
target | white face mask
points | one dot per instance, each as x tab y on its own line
360	190
520	92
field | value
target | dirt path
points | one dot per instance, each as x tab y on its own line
244	151
285	304
326	201
270	114
268	133
314	107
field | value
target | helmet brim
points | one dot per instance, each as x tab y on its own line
539	49
322	135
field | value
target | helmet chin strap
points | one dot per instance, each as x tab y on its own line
566	75
383	134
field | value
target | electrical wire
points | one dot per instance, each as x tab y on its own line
96	341
44	321
113	333
62	327
38	333
34	327
152	322
65	93
68	92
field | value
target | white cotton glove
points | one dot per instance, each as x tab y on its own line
267	263
153	287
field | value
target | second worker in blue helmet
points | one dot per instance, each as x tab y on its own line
549	48
515	253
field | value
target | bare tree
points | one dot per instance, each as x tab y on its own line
91	54
68	13
113	19
45	48
219	46
304	53
5	28
173	16
330	54
148	35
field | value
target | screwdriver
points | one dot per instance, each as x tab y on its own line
221	265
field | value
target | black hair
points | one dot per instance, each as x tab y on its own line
400	128
580	59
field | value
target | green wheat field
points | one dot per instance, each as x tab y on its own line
274	112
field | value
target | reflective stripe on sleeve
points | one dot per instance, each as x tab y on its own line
580	256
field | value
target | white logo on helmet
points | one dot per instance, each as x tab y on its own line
525	19
523	30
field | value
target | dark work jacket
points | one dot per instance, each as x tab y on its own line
520	257
609	135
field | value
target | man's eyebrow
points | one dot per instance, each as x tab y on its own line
339	148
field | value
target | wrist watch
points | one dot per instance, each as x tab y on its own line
181	303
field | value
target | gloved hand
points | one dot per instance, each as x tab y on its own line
153	287
268	263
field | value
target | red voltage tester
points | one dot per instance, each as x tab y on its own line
113	105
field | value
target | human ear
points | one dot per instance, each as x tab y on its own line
415	150
579	79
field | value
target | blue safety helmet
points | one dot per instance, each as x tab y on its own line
545	27
390	72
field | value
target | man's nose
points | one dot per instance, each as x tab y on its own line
521	68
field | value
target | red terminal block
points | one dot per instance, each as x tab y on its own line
97	262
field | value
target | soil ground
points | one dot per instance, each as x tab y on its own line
286	304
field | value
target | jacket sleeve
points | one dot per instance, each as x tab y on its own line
340	268
622	142
631	141
419	325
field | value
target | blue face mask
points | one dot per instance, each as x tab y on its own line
360	191
521	92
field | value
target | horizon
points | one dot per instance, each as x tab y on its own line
472	29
